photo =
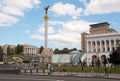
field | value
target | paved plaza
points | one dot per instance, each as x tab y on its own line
7	77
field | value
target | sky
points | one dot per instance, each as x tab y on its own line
22	21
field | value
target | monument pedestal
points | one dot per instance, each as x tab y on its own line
46	55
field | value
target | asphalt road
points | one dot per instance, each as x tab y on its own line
10	77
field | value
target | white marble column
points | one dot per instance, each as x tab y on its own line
101	46
30	51
96	46
91	46
110	45
105	45
115	44
87	47
27	51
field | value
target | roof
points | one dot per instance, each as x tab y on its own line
99	24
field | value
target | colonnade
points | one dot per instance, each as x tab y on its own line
30	50
101	45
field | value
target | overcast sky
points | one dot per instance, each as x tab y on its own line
22	22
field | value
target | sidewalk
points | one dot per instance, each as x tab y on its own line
77	74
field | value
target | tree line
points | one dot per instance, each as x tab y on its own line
60	51
10	50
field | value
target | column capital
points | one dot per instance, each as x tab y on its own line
46	17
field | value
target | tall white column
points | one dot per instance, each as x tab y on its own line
46	26
110	45
91	46
115	44
87	46
46	33
96	46
101	46
105	45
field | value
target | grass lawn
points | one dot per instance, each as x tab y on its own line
87	69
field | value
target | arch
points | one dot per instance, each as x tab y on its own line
94	58
103	59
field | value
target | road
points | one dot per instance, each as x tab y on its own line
10	77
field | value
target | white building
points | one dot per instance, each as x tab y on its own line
29	49
100	42
101	45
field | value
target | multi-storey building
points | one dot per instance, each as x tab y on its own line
99	42
12	48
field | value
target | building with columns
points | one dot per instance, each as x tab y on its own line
29	49
99	42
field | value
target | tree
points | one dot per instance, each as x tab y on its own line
19	49
1	50
66	50
115	57
104	60
12	51
74	49
56	51
1	54
41	49
8	50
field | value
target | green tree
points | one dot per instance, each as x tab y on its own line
1	54
56	51
66	50
12	51
41	49
104	60
74	49
19	49
115	58
1	50
8	50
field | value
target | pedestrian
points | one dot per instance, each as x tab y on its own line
106	72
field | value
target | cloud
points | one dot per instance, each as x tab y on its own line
102	7
67	35
6	20
15	9
66	9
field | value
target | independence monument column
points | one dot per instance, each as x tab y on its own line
46	54
46	26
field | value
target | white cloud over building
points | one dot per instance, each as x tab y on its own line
102	7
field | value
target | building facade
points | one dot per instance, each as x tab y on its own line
30	50
12	48
99	42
